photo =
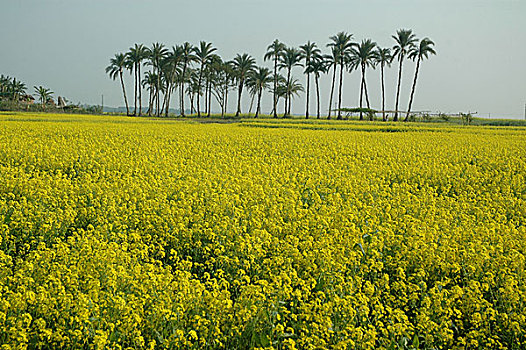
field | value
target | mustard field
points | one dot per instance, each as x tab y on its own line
135	233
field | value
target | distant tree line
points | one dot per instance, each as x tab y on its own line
14	96
199	74
13	91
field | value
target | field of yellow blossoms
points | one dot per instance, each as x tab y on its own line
130	233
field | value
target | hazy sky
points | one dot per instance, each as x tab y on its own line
481	44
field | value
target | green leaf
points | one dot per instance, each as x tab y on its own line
416	342
263	340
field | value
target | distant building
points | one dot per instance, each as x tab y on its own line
27	99
61	102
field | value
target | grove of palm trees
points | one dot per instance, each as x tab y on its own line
197	76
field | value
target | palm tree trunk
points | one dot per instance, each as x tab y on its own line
332	89
181	97
239	93
124	93
150	102
251	104
413	89
199	90
154	101
164	104
226	99
192	108
167	111
286	94
168	94
398	88
383	93
209	97
135	92
316	79
159	103
206	95
140	91
365	88
275	110
182	89
157	100
308	90
361	95
223	103
371	115
340	91
259	103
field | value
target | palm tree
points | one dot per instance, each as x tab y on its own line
5	82
281	90
383	58
184	81
289	89
274	51
309	50
116	67
43	95
156	55
230	81
18	88
171	66
223	80
213	66
11	88
260	78
422	51
252	92
187	53
317	65
193	88
143	53
203	52
332	60
290	58
405	41
363	55
149	82
243	65
343	45
135	57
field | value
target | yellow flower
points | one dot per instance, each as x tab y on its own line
124	232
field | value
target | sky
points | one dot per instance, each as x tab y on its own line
480	65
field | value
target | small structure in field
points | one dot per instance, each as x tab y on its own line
61	102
